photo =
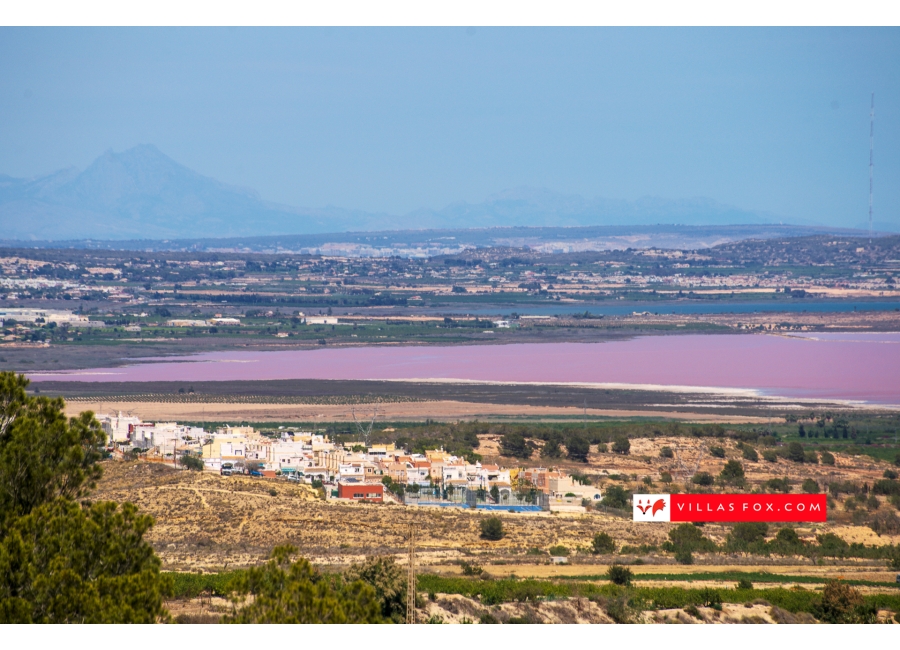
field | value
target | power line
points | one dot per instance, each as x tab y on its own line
411	578
871	161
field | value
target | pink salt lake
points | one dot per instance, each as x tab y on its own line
839	366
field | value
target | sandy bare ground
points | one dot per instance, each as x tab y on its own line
416	411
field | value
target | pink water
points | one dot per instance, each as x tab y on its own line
829	366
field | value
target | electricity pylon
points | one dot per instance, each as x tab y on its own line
411	578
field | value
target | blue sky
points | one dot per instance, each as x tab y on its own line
392	120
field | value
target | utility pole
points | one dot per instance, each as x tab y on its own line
411	579
871	161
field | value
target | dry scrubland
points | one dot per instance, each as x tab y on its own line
208	522
205	521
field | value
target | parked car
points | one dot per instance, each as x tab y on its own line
226	470
255	473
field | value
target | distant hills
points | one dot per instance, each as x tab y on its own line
143	194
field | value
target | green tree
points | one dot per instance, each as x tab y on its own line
68	563
43	456
750	454
619	575
551	448
666	452
809	486
733	472
717	452
283	591
621	445
665	477
603	544
578	449
827	458
513	444
702	478
492	529
788	537
615	497
495	493
770	456
61	561
795	452
389	581
747	532
684	540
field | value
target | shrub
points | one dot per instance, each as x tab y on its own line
471	569
710	598
733	472
665	477
810	486
558	551
615	497
295	592
748	532
778	485
487	618
841	603
717	452
684	556
827	458
744	583
886	523
578	449
787	536
619	575
830	545
603	543
702	478
750	453
795	453
770	456
886	487
192	463
890	474
514	444
492	529
810	457
617	610
666	452
389	581
621	445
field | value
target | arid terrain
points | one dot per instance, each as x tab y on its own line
208	522
446	410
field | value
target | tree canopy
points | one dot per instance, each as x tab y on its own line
295	592
62	561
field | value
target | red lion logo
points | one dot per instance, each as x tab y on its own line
659	504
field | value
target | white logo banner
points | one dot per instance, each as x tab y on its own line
651	507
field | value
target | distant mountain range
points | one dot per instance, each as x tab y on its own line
143	194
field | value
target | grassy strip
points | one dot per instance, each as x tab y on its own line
753	576
492	592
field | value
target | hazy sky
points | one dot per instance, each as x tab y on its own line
397	119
